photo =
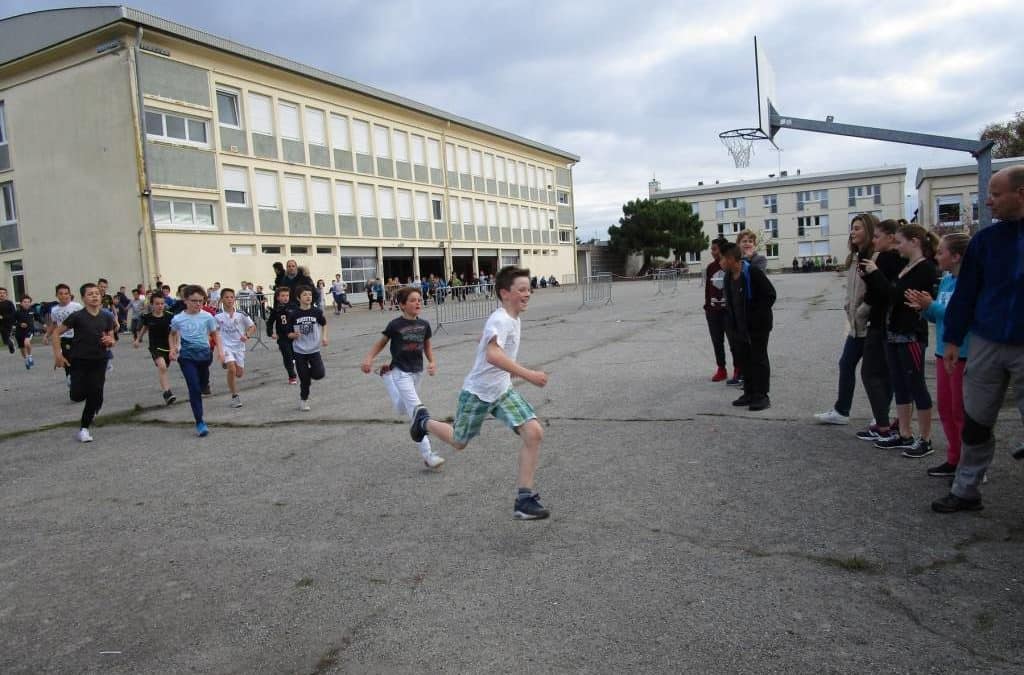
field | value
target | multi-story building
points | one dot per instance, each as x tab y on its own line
794	216
132	146
948	195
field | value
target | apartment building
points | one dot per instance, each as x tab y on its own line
795	215
132	146
948	195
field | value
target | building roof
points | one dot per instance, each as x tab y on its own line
27	34
963	169
781	181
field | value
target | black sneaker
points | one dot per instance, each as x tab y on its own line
873	433
896	443
528	507
944	470
760	403
206	391
951	504
734	382
418	428
742	401
169	397
921	448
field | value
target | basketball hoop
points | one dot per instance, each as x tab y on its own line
740	144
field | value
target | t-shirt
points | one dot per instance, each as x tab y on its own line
195	330
407	337
138	305
24	320
59	312
307	323
488	382
232	328
7	310
159	329
338	287
89	332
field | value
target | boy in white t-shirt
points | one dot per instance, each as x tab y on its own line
235	330
487	390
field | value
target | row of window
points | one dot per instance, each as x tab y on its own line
803	199
771	226
359	263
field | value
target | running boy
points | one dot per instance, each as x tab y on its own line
487	390
235	330
192	334
278	322
409	336
24	329
64	308
158	324
7	310
94	335
307	329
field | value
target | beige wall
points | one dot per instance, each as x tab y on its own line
964	186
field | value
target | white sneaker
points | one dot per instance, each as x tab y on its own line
433	460
83	436
303	405
832	417
236	402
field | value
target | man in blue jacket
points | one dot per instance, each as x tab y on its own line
988	303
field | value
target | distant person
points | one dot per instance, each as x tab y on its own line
715	311
749	297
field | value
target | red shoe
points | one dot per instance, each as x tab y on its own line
719	375
293	380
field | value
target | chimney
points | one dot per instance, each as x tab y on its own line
653	186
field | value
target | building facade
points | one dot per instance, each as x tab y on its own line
948	195
133	147
795	216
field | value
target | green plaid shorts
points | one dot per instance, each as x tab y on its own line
510	408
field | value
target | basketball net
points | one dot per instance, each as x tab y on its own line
740	144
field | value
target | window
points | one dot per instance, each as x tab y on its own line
400	141
693	257
321	191
288	119
731	228
466	208
243	249
325	250
974	199
176	128
299	250
236	186
512	175
435	204
361	137
462	159
367	201
3	125
531	176
492	213
381	143
339	132
9	214
227	108
423	207
803	223
261	114
475	165
859	191
8	219
356	270
771	227
478	212
434	153
521	171
811	197
549	176
182	213
405	204
563	197
771	203
565	236
315	132
386	197
344	199
502	215
731	203
947	209
453	210
771	250
270	250
499	168
488	166
449	158
266	190
295	193
419	150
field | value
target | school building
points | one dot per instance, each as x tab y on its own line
948	195
794	215
132	146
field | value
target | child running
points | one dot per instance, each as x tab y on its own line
235	330
192	333
307	329
409	336
64	308
7	310
487	390
94	335
277	323
158	324
24	329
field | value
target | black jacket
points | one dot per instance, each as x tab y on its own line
889	264
902	319
755	317
278	321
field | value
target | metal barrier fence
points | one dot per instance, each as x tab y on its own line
596	289
568	280
464	303
666	282
255	310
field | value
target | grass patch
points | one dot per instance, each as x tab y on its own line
304	582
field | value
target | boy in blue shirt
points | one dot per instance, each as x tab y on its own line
193	345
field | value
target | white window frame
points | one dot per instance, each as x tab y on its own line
320	191
437	214
476	163
381	141
499	168
316	131
405	205
462	158
492	214
386	202
450	158
466	209
7	202
423	207
3	125
400	145
299	249
434	153
361	137
236	104
271	249
243	249
479	212
565	236
267	190
453	210
173	208
256	102
367	201
229	174
162	136
345	198
285	114
295	199
768	247
418	149
340	137
324	250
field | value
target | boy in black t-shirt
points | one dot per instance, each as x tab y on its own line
94	335
278	322
409	336
307	329
158	324
24	329
749	297
7	310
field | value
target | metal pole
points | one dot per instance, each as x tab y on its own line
984	175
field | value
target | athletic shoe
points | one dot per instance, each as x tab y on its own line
83	436
207	391
528	507
418	428
10	344
951	504
202	430
169	398
832	417
921	448
303	405
896	443
735	381
110	365
760	403
744	400
293	380
872	433
433	460
28	363
720	375
236	402
944	470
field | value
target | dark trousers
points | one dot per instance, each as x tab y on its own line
287	355
752	359
87	379
309	367
716	327
906	370
197	376
853	350
874	373
5	335
65	348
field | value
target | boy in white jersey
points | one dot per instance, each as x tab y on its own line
64	308
487	390
235	330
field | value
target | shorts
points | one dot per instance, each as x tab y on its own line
22	334
510	408
160	353
234	355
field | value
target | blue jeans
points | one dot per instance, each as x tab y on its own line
853	350
197	374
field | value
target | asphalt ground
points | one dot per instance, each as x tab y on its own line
686	535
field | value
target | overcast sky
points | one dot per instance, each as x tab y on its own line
642	89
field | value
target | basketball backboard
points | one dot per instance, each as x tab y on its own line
765	91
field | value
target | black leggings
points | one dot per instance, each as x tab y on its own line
874	373
87	379
906	366
287	356
309	367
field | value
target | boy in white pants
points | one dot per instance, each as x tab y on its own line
409	336
235	329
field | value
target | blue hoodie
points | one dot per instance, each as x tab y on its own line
936	313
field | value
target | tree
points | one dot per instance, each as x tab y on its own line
652	228
1008	137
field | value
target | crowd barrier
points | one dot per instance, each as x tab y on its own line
596	289
666	282
455	304
255	310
